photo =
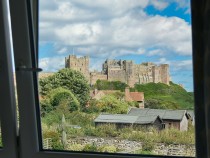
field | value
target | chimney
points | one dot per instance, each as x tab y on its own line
127	94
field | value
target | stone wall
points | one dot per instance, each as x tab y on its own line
175	150
127	146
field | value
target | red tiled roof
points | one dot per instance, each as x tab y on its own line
137	96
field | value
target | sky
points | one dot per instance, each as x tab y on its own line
157	31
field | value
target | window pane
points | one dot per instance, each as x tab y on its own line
117	76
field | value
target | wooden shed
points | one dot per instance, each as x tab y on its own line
171	118
124	120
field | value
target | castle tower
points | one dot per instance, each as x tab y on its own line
164	71
79	64
156	74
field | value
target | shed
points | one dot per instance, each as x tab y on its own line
192	116
124	120
171	118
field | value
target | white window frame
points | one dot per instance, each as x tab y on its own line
24	22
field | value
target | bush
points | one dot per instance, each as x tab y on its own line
75	147
90	147
110	85
110	104
64	98
108	130
56	140
68	79
109	149
148	145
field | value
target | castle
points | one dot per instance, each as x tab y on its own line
120	70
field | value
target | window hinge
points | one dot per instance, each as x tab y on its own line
26	69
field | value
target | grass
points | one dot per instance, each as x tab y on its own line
167	96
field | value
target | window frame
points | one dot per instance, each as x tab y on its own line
25	25
7	89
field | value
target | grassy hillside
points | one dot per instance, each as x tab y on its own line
159	95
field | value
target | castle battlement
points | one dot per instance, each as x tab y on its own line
121	70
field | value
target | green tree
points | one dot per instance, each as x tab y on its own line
111	104
69	79
63	99
110	85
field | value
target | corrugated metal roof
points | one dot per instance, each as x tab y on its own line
164	114
137	112
124	118
116	118
174	114
146	119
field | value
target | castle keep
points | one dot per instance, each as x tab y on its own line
121	70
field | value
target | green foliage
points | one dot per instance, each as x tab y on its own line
56	143
167	136
159	95
160	103
45	106
68	79
93	107
75	147
148	145
1	145
109	149
90	147
93	148
110	85
53	117
64	98
111	104
108	130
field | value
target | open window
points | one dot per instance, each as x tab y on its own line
8	122
24	19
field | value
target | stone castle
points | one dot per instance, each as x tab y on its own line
120	70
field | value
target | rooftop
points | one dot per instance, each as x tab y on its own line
164	114
124	118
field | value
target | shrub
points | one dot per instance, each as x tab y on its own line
75	147
90	147
111	104
68	79
64	98
148	145
110	85
109	149
108	130
56	140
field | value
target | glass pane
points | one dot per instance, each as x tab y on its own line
117	76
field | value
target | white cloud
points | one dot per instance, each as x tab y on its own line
158	52
182	65
183	3
112	28
160	5
51	63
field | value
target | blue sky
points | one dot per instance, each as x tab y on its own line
156	31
